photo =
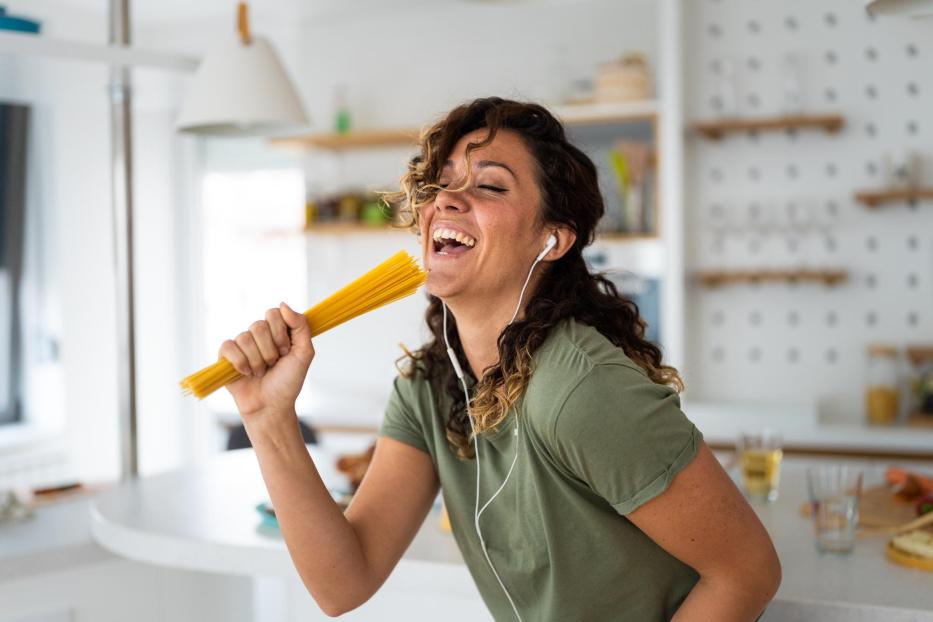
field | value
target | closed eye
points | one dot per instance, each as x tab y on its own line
493	188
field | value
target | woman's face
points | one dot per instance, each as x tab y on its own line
479	244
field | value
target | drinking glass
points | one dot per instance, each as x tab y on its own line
834	497
760	457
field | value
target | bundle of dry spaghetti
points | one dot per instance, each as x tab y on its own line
395	278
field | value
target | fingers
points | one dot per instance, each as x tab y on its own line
231	351
247	344
262	335
266	341
279	330
300	331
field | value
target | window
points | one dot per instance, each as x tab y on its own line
254	253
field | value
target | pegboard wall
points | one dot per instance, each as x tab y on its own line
786	200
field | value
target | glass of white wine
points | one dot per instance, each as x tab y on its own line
760	455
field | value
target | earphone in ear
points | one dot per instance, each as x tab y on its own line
551	243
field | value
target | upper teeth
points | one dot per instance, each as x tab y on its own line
450	234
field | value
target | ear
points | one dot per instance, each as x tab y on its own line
566	237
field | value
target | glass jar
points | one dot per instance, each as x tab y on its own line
881	390
921	383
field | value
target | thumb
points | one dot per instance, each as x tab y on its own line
299	332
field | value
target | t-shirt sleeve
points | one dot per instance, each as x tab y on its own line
401	421
624	436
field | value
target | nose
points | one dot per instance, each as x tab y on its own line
446	201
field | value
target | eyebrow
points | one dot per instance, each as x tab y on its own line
487	164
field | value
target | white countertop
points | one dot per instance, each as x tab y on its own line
204	519
803	430
55	538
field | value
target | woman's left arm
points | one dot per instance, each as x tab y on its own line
704	521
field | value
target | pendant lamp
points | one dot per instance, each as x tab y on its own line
241	89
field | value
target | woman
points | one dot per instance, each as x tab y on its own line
576	488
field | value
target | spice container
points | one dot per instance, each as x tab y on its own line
881	388
921	384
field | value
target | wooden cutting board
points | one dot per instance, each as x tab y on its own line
879	507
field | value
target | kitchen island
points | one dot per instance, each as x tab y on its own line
204	519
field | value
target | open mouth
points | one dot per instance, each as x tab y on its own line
450	242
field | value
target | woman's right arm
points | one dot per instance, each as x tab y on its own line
342	558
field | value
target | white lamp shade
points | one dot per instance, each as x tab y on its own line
242	90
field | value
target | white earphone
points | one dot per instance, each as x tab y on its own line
477	511
551	243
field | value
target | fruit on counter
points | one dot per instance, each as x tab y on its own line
925	505
908	484
917	542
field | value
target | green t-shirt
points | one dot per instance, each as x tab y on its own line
596	439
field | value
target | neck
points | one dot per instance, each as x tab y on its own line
480	322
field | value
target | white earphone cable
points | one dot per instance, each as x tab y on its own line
477	511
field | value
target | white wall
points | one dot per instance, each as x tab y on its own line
406	67
779	343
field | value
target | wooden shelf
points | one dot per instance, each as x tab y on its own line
875	198
19	44
351	228
718	278
715	130
619	236
573	115
576	115
359	139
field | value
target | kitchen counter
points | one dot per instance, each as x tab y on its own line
204	519
804	431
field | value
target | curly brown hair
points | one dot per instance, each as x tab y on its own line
570	196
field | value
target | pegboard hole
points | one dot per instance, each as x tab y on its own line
831	356
793	355
912	281
913	318
793	318
871	318
832	318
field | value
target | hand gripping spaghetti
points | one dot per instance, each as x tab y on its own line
395	278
